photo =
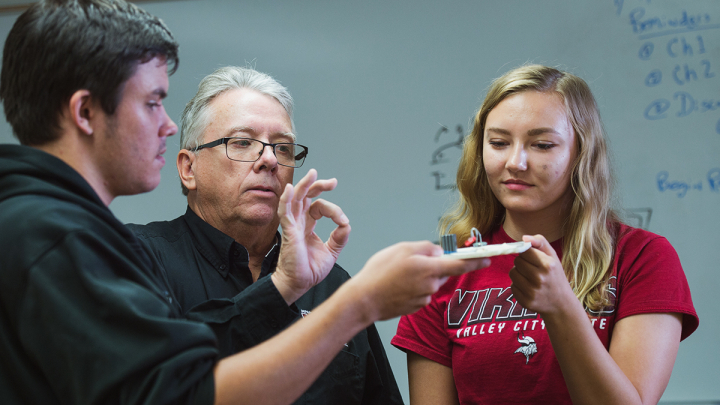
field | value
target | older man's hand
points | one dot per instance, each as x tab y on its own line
305	259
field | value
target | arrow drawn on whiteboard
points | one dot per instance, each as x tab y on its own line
438	156
639	217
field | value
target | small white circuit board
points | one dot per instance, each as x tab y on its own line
475	252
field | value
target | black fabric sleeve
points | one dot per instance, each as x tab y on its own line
380	385
100	330
256	314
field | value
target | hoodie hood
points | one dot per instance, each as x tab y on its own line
26	170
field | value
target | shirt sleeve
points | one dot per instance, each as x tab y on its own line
245	320
380	385
253	316
423	332
100	331
651	280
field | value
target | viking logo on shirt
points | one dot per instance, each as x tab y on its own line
528	347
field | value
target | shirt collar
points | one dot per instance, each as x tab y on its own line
275	245
271	258
212	243
219	249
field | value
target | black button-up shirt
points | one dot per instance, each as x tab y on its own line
209	275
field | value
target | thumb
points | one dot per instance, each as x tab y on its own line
540	243
424	248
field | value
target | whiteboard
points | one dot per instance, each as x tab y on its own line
385	90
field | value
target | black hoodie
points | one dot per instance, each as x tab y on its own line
84	318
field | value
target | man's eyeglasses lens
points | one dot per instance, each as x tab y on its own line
250	150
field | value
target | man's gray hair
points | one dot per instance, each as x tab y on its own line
196	115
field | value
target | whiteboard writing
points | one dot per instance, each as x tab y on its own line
681	188
683	105
439	156
678	43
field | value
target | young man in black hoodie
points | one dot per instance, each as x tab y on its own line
85	317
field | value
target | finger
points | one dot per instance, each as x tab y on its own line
460	266
285	200
439	283
320	186
540	243
520	296
338	239
302	186
323	208
518	274
422	248
520	283
528	270
529	260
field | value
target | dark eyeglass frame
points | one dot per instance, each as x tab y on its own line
225	141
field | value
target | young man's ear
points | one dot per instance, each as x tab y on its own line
82	111
185	166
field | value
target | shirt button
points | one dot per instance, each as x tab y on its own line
222	267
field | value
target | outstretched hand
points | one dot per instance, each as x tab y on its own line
401	279
304	258
539	282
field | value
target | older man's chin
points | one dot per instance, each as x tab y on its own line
262	214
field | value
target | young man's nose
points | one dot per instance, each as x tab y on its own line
169	129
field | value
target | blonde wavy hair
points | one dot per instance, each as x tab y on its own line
589	233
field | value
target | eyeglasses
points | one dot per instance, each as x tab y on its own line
250	150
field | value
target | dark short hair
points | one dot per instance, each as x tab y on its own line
58	47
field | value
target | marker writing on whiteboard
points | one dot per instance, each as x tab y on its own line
681	188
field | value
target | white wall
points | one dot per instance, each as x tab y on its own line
374	81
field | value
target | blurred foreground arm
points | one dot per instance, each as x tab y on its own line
395	281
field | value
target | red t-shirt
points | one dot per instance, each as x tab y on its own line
501	353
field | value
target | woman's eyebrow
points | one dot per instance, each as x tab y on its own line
498	131
540	131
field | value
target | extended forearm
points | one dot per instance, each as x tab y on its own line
279	370
395	281
591	374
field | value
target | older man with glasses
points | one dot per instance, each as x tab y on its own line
238	156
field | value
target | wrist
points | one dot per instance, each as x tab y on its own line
567	311
365	307
285	288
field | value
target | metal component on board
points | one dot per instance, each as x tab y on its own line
449	243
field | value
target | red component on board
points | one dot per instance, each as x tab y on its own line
470	241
